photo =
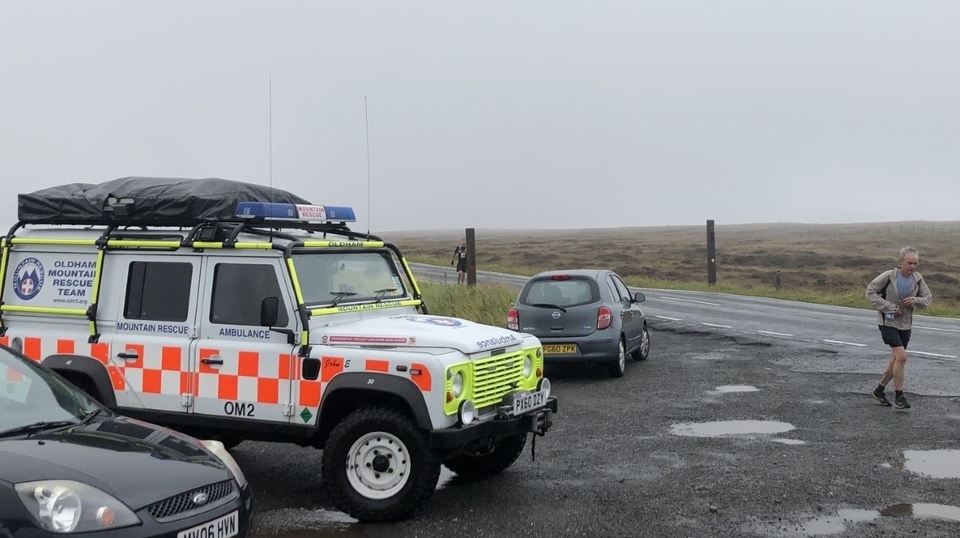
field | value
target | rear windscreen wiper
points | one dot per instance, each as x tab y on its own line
547	305
37	427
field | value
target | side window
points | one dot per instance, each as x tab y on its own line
238	290
613	288
158	291
624	291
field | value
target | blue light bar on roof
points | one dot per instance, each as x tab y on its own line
299	212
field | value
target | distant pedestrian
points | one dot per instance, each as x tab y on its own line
460	258
896	294
777	282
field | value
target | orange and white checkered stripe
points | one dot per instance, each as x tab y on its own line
311	391
38	348
255	380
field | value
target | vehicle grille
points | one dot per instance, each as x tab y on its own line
182	504
495	376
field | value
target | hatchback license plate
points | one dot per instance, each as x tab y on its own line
526	401
551	349
223	527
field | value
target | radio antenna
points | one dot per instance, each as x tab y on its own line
270	107
366	122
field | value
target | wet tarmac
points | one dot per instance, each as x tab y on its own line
725	428
645	455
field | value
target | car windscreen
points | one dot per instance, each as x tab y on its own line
563	292
340	277
30	394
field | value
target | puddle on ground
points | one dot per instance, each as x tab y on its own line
938	511
735	388
789	441
932	463
731	427
837	524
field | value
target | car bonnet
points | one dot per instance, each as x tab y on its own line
137	471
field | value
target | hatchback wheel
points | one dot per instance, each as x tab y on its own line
619	366
642	352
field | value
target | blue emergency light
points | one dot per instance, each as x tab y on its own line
298	212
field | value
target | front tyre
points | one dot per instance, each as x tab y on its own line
378	466
472	467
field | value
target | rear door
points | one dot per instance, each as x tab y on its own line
155	328
629	313
559	306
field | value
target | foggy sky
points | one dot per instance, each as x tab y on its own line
499	114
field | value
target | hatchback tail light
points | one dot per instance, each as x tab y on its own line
513	320
604	315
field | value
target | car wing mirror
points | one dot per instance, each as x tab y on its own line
639	297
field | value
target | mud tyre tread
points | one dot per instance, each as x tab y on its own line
413	495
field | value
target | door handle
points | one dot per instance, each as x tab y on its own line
215	362
130	356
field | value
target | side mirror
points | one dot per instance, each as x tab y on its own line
269	311
639	297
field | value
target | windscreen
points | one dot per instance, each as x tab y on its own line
341	277
563	293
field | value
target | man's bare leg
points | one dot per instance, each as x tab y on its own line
900	361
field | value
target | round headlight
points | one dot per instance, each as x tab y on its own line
544	385
539	352
527	367
65	506
59	510
468	412
458	385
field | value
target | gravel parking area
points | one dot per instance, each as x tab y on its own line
709	437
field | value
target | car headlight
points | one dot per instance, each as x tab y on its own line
65	506
527	366
545	387
220	451
457	385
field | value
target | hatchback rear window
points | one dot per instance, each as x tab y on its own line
571	292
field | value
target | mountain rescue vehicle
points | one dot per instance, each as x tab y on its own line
235	311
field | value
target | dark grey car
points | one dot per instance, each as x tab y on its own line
586	315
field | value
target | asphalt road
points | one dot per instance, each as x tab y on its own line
851	332
822	459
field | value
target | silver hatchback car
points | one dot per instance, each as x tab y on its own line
585	316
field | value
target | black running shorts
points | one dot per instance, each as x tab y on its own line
895	337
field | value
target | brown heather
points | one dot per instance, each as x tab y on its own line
828	264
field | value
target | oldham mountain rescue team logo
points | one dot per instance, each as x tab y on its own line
28	279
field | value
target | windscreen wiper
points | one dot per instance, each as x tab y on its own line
381	293
90	416
339	295
37	427
547	305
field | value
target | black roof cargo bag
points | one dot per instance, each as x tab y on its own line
151	201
